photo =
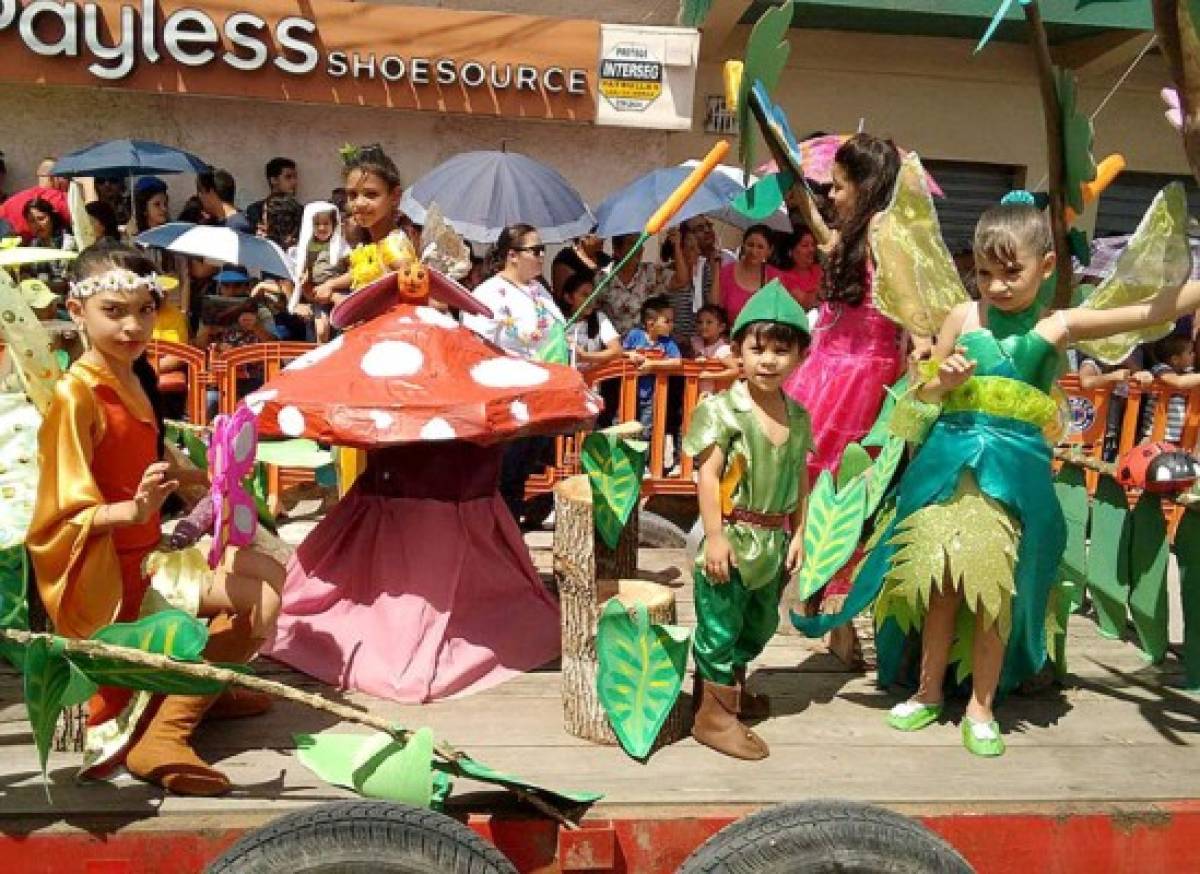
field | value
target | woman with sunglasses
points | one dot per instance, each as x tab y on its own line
523	312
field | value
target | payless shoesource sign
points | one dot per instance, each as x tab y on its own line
313	51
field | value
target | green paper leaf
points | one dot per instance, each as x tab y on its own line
641	667
879	477
14	600
762	199
465	766
197	452
693	12
298	453
554	350
881	431
171	633
1108	557
47	678
374	766
1077	242
1079	164
855	460
1063	601
767	52
1187	553
831	531
614	466
1148	573
1071	490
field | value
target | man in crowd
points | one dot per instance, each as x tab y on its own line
217	190
282	178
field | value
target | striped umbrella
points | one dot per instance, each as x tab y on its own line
222	245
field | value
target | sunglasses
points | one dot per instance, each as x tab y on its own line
539	249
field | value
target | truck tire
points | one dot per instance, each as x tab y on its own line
362	837
815	837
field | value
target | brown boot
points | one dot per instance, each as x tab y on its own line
164	753
237	702
750	706
716	724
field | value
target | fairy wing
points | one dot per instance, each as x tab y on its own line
442	248
29	345
916	283
231	454
1156	260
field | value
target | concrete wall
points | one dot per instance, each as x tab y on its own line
931	95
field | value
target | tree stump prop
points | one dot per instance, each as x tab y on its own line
588	574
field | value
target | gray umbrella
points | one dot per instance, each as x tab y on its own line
481	193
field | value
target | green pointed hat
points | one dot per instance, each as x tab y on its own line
772	303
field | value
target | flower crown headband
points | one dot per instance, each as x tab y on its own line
116	279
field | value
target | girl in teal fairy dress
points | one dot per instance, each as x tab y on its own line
971	554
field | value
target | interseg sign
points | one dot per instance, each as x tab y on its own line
327	51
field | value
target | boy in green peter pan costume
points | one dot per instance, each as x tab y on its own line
751	444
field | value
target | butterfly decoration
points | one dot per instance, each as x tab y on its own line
231	454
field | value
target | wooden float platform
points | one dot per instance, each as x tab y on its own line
1116	747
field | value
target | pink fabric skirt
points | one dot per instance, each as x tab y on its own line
417	585
855	356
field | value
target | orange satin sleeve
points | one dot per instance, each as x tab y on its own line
78	574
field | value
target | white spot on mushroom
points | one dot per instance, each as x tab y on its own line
519	411
383	420
509	373
1162	474
291	421
315	356
258	399
437	429
593	407
430	316
392	358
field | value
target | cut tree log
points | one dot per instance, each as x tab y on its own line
588	574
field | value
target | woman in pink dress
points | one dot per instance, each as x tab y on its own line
857	352
738	280
802	274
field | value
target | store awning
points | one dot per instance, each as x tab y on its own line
964	19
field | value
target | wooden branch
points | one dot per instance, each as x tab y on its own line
205	671
1055	157
1181	48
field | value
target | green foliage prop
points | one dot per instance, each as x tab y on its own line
831	531
614	465
641	668
1148	573
1071	490
767	52
1108	557
1187	553
377	765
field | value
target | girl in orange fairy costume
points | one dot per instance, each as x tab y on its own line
96	522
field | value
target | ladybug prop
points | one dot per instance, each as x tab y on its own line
1158	467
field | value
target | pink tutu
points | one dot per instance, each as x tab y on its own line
417	585
855	356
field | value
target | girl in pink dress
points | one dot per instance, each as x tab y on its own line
738	280
857	352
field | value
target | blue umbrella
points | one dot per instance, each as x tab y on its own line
129	158
481	193
628	210
220	244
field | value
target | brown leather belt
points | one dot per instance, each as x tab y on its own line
761	520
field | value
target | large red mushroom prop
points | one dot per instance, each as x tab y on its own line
417	585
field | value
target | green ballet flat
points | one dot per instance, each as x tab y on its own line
913	715
982	738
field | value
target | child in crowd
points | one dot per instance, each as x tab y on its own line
1094	375
751	444
1175	357
651	347
320	256
592	340
710	343
230	320
96	524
